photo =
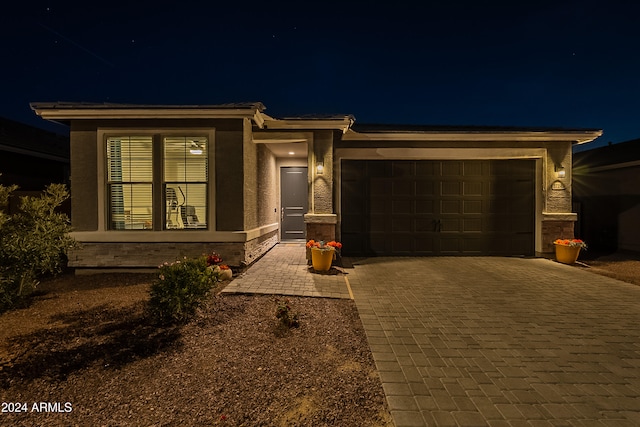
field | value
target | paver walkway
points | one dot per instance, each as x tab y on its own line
284	271
501	341
484	341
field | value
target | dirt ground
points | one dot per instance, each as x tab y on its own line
85	349
83	353
623	266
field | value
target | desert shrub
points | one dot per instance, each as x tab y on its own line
288	318
179	289
33	242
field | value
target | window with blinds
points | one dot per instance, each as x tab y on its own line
185	176
130	182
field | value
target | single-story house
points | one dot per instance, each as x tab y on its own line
152	182
607	196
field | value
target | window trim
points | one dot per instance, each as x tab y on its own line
158	135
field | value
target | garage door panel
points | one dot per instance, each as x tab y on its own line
472	245
472	188
451	188
402	207
451	168
353	223
379	205
450	245
426	188
521	224
381	187
475	168
401	168
427	169
472	206
402	187
425	207
425	225
472	225
448	207
378	245
379	223
448	225
425	244
401	225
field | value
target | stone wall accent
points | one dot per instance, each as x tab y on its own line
103	255
255	248
318	231
552	230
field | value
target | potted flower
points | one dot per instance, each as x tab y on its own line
567	250
214	262
322	254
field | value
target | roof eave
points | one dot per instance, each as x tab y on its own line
65	113
342	124
575	137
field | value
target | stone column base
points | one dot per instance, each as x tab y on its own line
556	226
321	226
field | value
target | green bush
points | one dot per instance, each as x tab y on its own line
179	289
33	242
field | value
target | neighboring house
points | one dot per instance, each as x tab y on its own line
607	196
31	158
153	182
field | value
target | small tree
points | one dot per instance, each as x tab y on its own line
33	242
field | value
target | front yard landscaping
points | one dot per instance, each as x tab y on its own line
86	349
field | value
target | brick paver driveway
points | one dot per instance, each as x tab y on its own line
501	341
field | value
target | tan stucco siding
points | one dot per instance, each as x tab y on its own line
84	178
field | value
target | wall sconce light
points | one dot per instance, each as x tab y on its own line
560	172
319	168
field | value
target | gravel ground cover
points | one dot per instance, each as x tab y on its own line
85	350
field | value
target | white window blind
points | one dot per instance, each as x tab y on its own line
130	182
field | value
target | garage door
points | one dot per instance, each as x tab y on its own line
427	207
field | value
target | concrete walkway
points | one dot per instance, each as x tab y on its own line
484	341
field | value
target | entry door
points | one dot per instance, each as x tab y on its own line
293	202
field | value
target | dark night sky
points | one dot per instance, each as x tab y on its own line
543	63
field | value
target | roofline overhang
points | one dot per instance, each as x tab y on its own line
342	124
575	137
64	113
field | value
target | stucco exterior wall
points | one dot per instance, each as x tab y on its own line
84	177
322	185
229	180
268	202
250	184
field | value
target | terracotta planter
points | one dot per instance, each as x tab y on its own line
567	254
321	259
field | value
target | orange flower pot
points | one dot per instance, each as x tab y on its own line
567	254
321	259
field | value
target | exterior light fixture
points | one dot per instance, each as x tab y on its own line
291	153
560	172
319	168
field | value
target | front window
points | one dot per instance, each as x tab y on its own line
185	182
135	192
130	182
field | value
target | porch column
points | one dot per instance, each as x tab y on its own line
321	220
557	217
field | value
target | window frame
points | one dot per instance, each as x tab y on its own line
158	184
